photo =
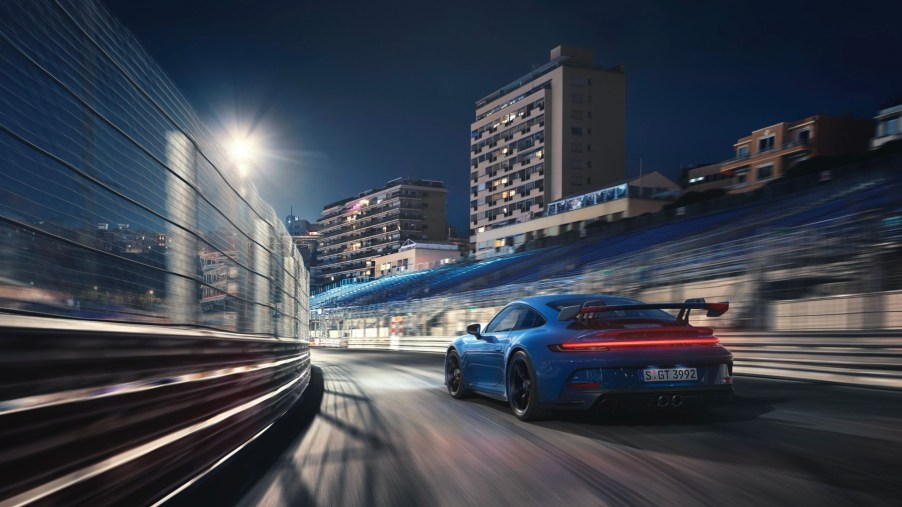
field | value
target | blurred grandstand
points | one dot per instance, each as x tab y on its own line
807	253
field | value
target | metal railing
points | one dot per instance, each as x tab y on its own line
122	414
858	359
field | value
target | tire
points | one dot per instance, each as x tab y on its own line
454	378
522	388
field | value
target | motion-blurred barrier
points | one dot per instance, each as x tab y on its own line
863	359
114	414
116	202
867	359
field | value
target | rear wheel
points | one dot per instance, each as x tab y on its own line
454	378
522	390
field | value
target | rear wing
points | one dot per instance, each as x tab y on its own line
714	309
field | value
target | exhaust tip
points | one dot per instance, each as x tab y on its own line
663	401
676	400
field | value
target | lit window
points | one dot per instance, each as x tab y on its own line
892	126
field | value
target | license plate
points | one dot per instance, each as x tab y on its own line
669	374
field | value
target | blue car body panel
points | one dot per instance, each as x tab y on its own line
484	362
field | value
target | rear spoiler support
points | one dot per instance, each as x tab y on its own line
713	309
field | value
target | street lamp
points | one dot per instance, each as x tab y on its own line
244	151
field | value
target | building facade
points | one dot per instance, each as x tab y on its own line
557	131
646	194
704	177
413	256
769	152
889	126
305	236
357	230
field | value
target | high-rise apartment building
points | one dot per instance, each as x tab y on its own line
305	237
357	230
558	131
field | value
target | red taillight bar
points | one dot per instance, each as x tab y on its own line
649	333
614	344
583	385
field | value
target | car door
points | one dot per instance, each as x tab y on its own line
527	318
495	355
481	365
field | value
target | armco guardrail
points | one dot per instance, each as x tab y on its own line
120	414
866	359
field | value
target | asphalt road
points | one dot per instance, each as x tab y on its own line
387	433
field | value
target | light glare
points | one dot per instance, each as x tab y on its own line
243	149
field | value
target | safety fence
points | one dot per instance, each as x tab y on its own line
863	359
122	414
117	203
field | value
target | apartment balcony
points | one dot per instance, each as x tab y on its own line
737	158
520	126
345	245
798	145
344	270
408	211
366	222
342	212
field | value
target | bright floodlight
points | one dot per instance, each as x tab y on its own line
242	150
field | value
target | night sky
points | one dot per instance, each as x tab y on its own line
351	94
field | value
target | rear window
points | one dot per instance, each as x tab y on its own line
613	301
560	303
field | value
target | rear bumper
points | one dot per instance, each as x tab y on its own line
634	399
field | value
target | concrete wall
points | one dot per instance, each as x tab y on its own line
859	311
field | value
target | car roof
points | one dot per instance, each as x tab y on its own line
540	303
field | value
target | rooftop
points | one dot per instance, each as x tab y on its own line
889	111
568	56
390	184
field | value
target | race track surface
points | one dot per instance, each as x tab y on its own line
387	433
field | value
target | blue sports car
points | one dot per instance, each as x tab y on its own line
585	351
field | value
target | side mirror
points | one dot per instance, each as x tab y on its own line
474	329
